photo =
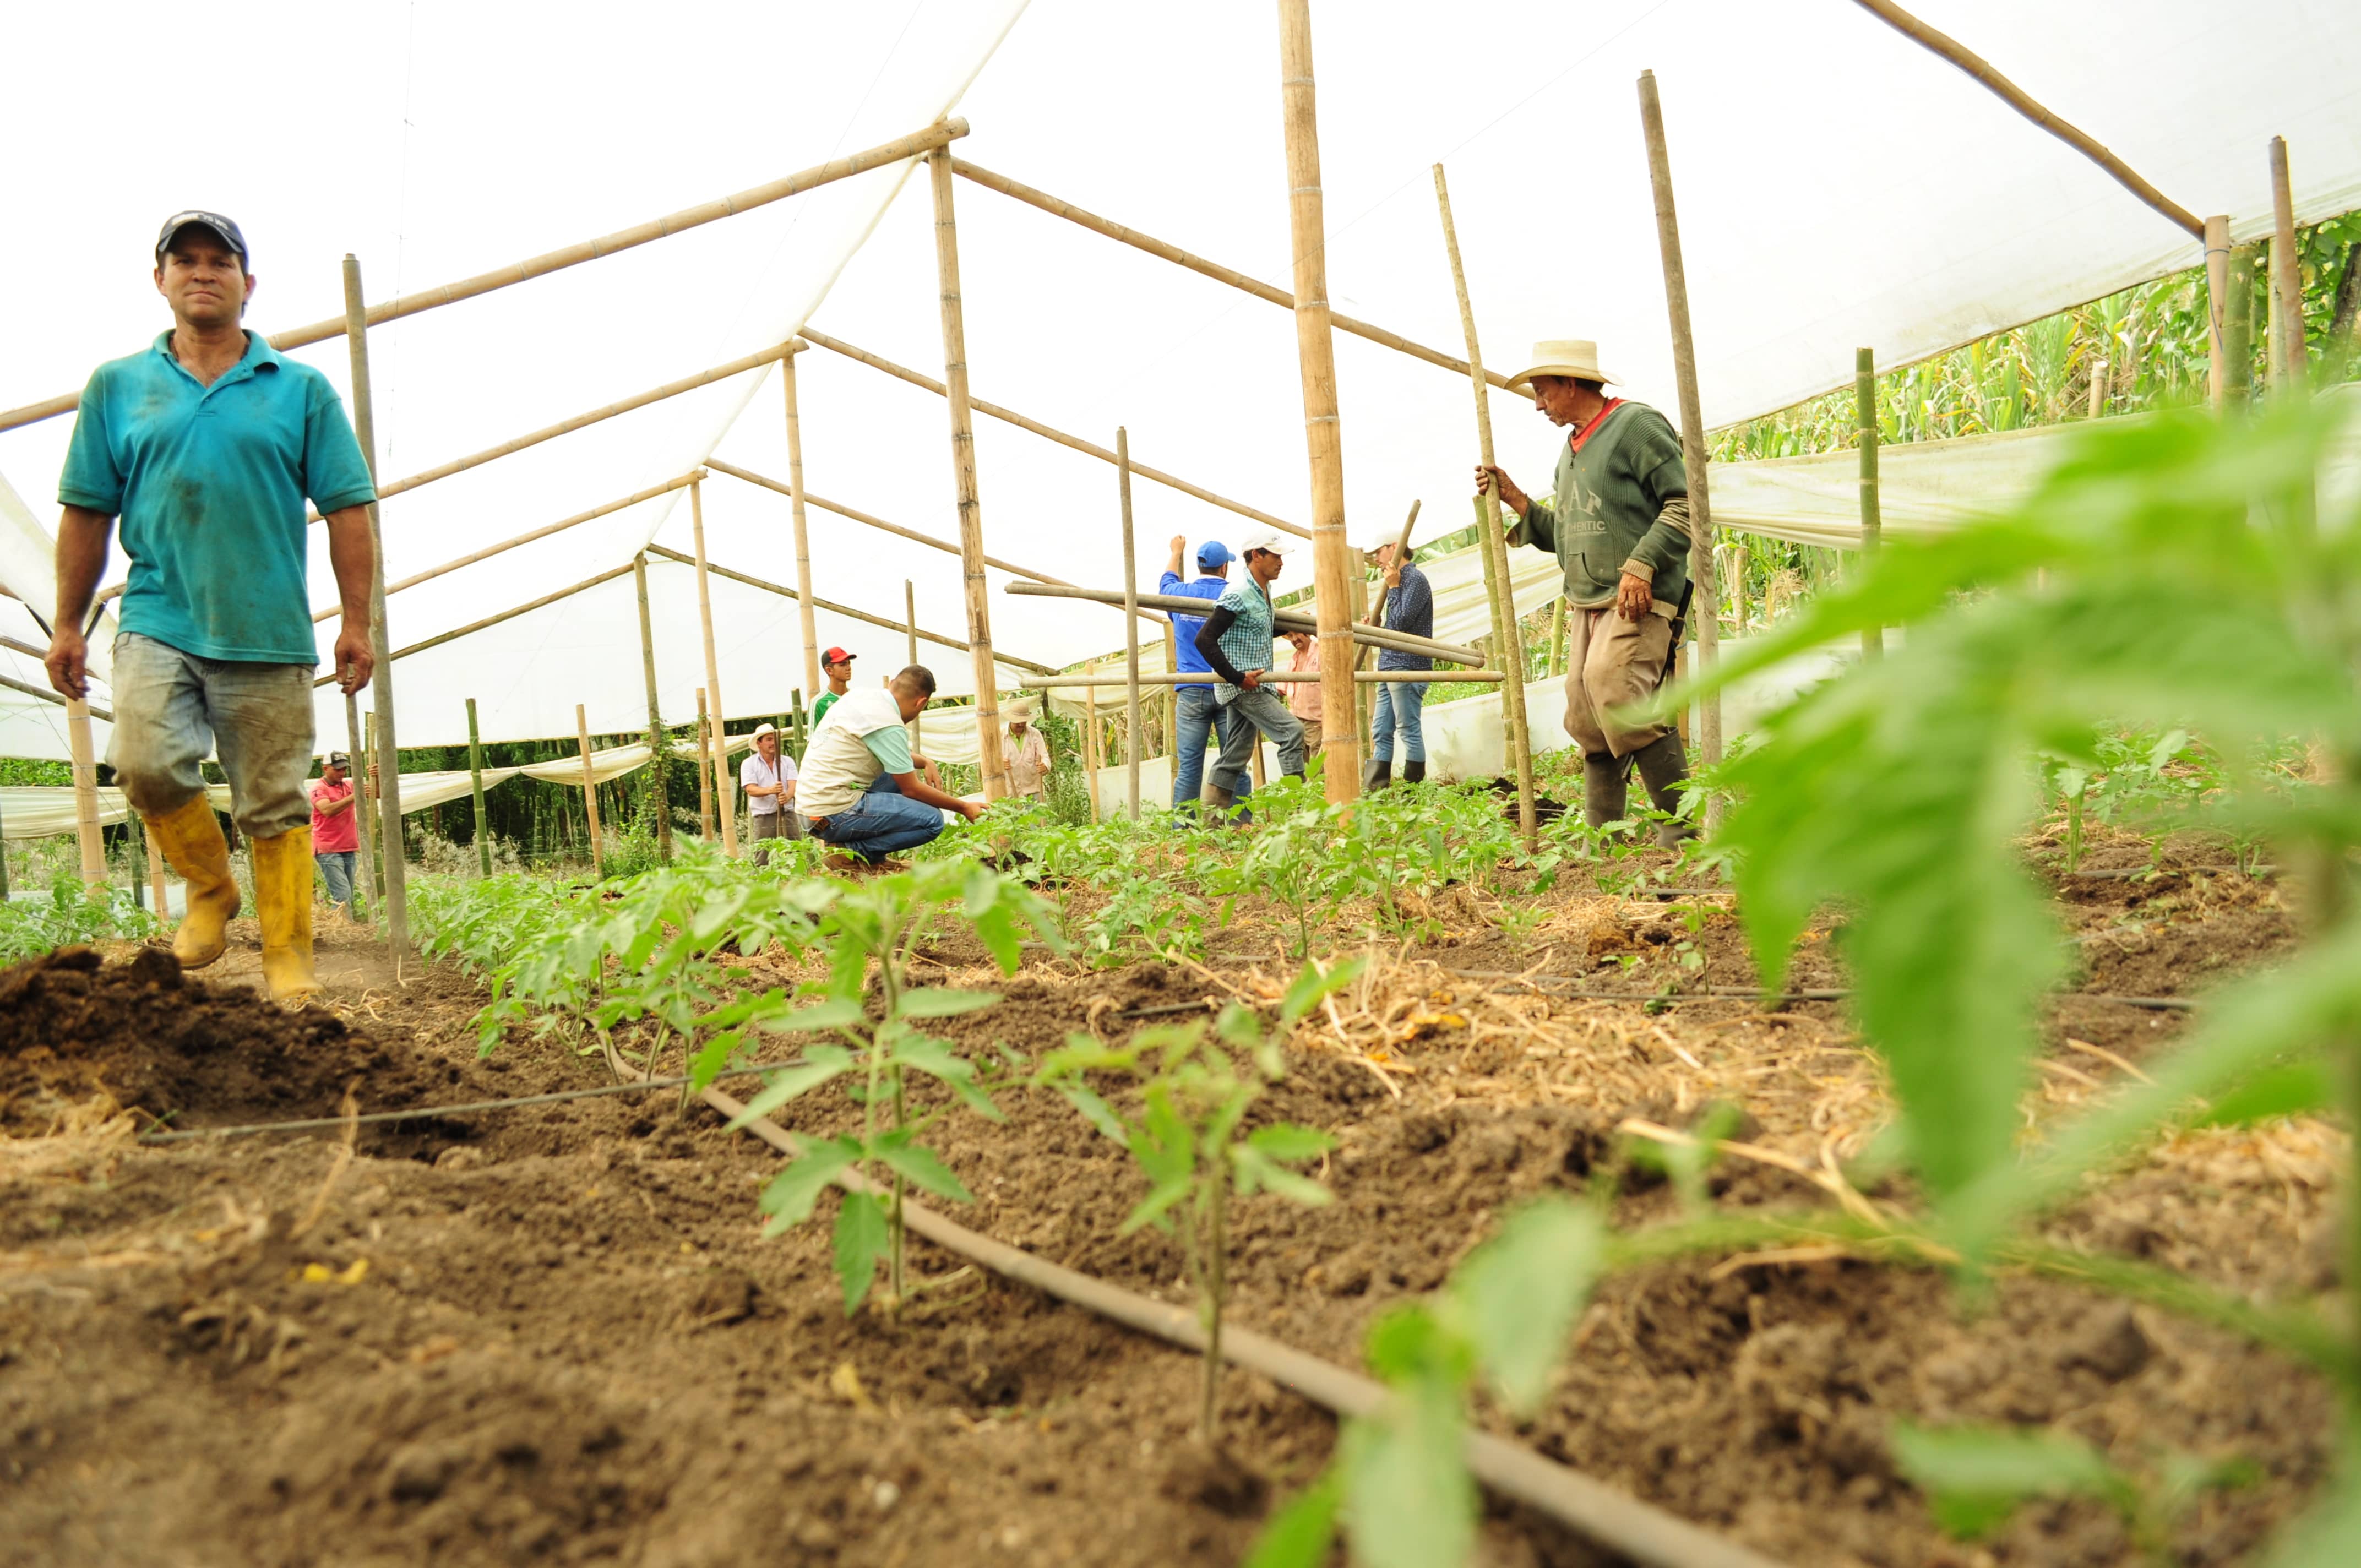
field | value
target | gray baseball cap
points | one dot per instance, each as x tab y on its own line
220	225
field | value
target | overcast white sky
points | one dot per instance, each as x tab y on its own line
1837	187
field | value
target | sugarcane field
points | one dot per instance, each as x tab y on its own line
1031	899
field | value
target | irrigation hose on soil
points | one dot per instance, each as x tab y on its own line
1642	1533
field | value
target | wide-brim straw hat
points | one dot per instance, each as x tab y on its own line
1016	709
1577	358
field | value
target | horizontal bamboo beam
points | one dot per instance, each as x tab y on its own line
844	609
911	534
1366	677
489	551
30	690
1114	231
543	602
941	133
1049	432
1282	620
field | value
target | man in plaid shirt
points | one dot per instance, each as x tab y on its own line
1235	640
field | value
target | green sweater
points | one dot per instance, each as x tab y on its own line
1609	510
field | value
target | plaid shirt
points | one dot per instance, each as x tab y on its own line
1246	644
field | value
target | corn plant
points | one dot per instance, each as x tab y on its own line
1188	1141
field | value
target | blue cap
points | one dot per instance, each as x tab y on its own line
1213	554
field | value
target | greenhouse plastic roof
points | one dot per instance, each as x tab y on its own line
1838	186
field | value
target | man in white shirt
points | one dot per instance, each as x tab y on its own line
768	777
859	790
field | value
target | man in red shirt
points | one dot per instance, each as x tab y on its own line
335	832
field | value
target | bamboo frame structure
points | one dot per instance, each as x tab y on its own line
1130	624
795	498
475	792
725	804
1269	678
2290	362
44	692
1945	46
910	630
543	602
1171	702
2218	329
359	755
589	792
940	134
1281	620
704	768
395	884
1706	590
1057	207
1315	353
88	840
656	717
1873	522
1508	642
843	609
1048	432
155	876
1091	738
990	763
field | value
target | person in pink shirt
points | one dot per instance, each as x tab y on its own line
1304	696
336	829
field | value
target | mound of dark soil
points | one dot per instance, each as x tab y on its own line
176	1047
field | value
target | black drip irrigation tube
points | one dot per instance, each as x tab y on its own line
1751	994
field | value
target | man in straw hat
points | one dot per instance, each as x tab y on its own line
1026	752
1235	641
1619	521
767	777
206	445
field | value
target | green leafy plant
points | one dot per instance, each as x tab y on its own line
1974	1477
74	914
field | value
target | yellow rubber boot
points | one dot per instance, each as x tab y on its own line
283	902
191	838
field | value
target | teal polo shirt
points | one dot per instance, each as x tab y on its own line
209	484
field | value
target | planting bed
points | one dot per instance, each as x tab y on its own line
554	1335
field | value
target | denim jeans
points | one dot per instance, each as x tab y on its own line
1263	712
882	821
337	870
172	707
1400	706
1199	716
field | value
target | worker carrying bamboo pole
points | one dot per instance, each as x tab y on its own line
768	779
1197	715
859	790
1235	641
1619	522
1400	705
206	445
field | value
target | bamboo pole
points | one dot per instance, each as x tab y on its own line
1693	453
1172	699
590	793
1557	637
396	880
475	792
796	711
795	498
1873	523
843	609
1281	620
940	134
1197	264
543	602
2239	329
2218	329
155	875
910	630
87	838
1131	719
1089	733
44	694
485	554
1269	678
373	826
1508	640
135	852
1950	48
990	762
359	754
1049	432
656	718
704	768
2290	362
1315	353
725	804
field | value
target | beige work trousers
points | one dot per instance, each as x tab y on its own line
1611	663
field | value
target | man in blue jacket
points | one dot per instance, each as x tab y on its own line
1197	714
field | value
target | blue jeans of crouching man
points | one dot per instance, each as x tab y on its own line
1197	719
1264	717
881	822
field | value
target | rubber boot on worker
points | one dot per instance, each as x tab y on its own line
190	837
1414	771
1663	765
283	902
1604	789
1378	774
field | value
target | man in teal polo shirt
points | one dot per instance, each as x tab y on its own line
206	447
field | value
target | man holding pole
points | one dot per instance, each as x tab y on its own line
1196	715
206	445
1619	522
1400	705
1235	640
768	778
336	829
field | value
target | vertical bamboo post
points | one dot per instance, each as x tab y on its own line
134	852
394	876
2217	332
802	718
704	769
155	876
1692	454
1873	522
373	825
796	510
656	747
1130	626
475	789
911	632
1171	696
1315	351
2290	362
725	804
87	838
359	755
1557	636
1091	738
2238	327
1508	638
589	792
989	760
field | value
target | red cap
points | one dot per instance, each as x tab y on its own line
837	656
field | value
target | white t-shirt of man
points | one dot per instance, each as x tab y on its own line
861	733
756	771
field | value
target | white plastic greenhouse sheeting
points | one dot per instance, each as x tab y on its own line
1838	186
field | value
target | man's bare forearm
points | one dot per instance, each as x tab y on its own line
82	537
350	555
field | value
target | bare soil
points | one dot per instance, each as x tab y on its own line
556	1335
